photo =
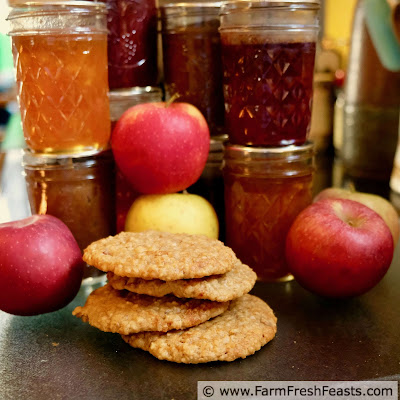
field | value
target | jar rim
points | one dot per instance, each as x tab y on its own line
233	151
67	3
126	93
217	143
229	5
192	5
31	160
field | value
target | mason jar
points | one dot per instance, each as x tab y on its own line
77	190
192	58
268	55
265	190
210	185
132	43
120	101
60	58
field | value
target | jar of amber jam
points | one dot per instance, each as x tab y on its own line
265	189
78	190
192	58
268	54
60	57
120	101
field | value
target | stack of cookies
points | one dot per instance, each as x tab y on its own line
181	297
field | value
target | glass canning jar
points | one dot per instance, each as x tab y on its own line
192	57
268	54
132	43
210	185
60	58
120	101
78	190
265	189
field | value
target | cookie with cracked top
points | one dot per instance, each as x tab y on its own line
160	255
231	285
124	312
247	325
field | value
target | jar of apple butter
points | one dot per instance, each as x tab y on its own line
265	189
192	57
78	190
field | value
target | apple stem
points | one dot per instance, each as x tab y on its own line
172	99
185	191
352	188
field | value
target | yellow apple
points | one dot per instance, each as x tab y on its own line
176	213
377	203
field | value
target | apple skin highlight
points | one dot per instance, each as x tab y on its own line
377	203
41	265
339	248
161	148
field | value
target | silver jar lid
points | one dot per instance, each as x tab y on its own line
217	143
34	161
227	6
196	5
269	162
243	153
134	92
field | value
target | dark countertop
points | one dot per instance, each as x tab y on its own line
58	356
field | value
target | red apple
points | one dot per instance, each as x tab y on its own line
339	248
41	265
161	148
377	203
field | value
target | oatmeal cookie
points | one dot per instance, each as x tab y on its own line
235	283
160	255
244	328
124	312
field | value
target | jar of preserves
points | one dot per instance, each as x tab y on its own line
192	58
210	185
132	43
265	189
120	101
268	54
77	190
60	57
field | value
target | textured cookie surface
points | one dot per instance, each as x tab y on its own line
160	255
235	283
124	312
244	328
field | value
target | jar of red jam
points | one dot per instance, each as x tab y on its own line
77	190
265	189
192	58
268	52
120	101
132	43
